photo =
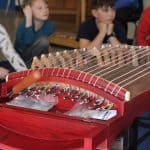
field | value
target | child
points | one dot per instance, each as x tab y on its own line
33	31
101	28
14	62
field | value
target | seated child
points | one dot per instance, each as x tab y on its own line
101	28
33	31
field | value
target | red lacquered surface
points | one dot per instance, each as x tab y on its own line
29	129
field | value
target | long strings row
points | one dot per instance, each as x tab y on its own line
110	60
140	53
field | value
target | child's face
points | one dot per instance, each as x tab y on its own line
104	14
40	10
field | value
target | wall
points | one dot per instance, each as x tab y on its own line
146	3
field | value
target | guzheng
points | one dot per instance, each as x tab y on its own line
83	100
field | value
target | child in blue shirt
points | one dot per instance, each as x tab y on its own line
33	31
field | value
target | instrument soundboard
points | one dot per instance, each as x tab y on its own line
83	99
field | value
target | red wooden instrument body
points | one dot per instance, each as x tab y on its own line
22	128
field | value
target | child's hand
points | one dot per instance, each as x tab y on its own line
102	27
110	28
27	12
3	72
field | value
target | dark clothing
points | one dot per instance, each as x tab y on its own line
128	11
125	15
40	46
88	30
5	64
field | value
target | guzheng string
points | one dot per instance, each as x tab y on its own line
132	76
89	57
114	58
129	60
140	76
132	72
120	62
82	53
